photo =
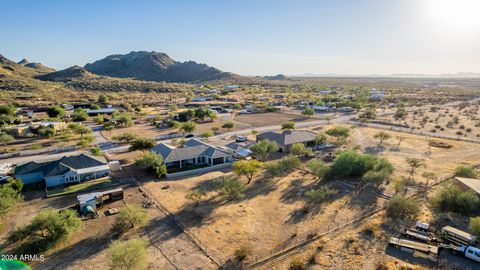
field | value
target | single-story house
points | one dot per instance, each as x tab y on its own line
93	112
193	154
286	138
24	130
468	184
72	169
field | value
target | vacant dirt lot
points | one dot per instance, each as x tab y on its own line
441	161
270	215
270	119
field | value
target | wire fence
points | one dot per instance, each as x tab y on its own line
300	241
203	247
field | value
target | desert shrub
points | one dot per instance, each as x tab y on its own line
466	171
273	168
296	264
451	199
288	125
230	187
243	252
318	167
289	163
195	195
401	207
126	137
10	195
320	195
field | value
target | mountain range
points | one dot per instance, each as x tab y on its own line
155	66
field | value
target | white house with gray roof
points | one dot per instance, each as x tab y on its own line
194	154
67	170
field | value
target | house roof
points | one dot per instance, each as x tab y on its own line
60	166
288	137
191	149
472	183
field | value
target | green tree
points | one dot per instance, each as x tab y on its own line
376	178
320	139
382	136
308	111
10	195
94	107
207	134
126	137
128	255
46	132
130	216
228	125
99	119
247	168
189	126
7	109
142	144
102	99
474	225
299	149
96	151
153	162
204	112
289	125
79	115
401	207
230	187
195	195
109	126
55	111
5	138
48	228
430	176
449	198
414	164
466	171
125	120
263	149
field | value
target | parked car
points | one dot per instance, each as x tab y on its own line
240	139
189	136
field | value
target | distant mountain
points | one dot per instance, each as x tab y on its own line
23	62
75	72
156	66
460	75
278	77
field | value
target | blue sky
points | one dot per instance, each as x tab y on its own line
251	37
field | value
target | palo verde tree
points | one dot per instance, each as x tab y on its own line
130	254
263	149
195	195
228	125
382	136
414	164
308	111
247	168
48	229
230	187
142	144
130	216
189	126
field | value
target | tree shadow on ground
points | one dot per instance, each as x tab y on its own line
82	250
374	150
307	211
